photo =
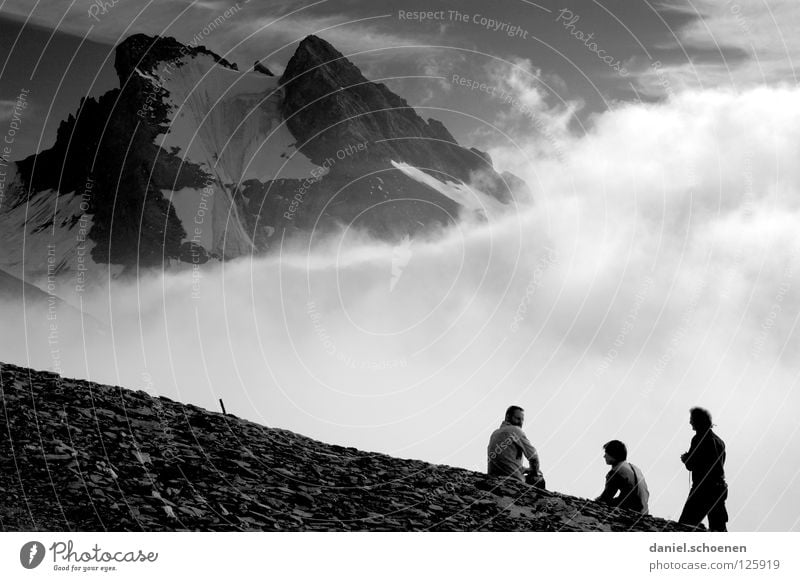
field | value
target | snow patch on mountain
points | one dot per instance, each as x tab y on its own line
469	197
229	122
46	239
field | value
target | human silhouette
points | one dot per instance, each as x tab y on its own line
625	484
706	461
507	446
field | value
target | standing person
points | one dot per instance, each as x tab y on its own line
507	446
706	461
623	478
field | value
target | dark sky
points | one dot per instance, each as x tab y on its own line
57	72
646	39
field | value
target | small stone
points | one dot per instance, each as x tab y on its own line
57	457
303	498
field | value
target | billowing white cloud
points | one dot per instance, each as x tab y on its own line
531	103
677	230
658	269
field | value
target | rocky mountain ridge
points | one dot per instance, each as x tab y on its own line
190	159
79	456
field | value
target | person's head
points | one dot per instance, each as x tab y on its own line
515	415
699	419
615	452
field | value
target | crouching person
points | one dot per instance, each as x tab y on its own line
625	484
508	445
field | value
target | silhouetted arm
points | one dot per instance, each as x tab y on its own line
611	489
529	451
697	456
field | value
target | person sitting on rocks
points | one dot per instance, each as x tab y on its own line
625	484
507	446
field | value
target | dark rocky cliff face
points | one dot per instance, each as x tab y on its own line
146	52
107	151
329	104
80	456
106	154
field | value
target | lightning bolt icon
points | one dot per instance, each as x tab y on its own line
34	550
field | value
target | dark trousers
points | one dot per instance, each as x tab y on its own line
535	480
706	500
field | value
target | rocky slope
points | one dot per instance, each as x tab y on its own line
79	456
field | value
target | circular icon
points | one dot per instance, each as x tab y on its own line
31	554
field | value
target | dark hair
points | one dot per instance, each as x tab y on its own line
700	418
616	450
512	409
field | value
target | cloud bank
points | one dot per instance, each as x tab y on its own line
657	269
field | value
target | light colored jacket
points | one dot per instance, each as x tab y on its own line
508	444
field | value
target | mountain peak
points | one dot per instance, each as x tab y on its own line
318	49
143	52
141	159
328	101
316	45
317	59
